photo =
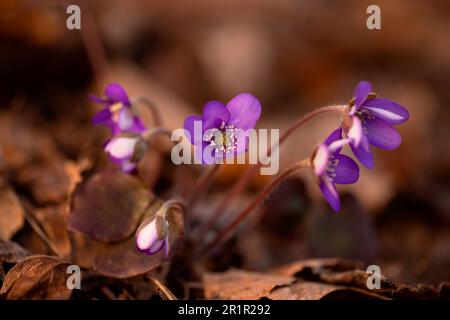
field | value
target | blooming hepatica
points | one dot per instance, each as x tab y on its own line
370	121
117	113
331	167
220	131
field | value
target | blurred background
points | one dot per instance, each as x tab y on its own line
294	55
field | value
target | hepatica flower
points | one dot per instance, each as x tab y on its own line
220	131
370	121
153	237
331	168
117	113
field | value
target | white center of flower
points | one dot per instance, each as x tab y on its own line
364	115
332	164
222	139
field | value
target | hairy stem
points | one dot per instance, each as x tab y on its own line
254	204
202	185
247	176
152	108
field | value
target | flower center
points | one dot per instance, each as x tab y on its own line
114	109
222	139
332	164
364	115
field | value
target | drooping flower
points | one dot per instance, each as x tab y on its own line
117	113
153	237
126	150
331	168
222	127
370	122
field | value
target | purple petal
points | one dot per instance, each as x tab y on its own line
361	92
346	171
121	147
334	136
166	247
320	161
214	113
355	133
244	110
387	110
381	134
138	126
116	93
102	116
363	155
330	193
125	120
147	236
190	125
96	99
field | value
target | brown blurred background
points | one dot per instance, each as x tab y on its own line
294	55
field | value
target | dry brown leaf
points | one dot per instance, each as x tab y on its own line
37	277
48	181
123	260
54	222
11	213
109	206
238	284
305	290
317	266
354	278
11	252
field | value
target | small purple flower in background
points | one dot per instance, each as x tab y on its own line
331	167
370	122
126	150
222	126
154	237
117	113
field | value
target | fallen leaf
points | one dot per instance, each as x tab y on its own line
11	252
11	213
109	206
123	260
316	266
37	277
239	284
53	220
48	181
303	290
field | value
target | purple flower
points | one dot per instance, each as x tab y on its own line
331	167
370	122
153	237
117	113
126	150
220	131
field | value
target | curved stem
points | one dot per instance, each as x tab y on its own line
247	176
254	204
202	184
152	108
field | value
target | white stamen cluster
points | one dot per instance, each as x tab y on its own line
364	115
332	164
223	139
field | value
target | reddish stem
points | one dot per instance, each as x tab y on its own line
202	184
254	204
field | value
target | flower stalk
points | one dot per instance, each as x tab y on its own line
225	232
